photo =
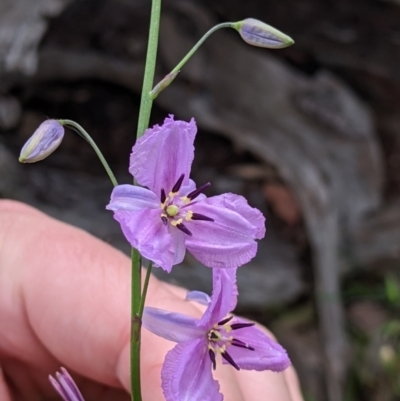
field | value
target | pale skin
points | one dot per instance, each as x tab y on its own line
65	301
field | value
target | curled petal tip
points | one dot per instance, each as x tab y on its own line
44	141
260	34
65	386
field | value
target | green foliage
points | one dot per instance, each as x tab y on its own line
375	374
392	289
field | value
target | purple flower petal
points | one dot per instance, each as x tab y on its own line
65	386
228	241
223	298
163	154
197	296
187	188
170	325
238	204
267	354
186	374
146	232
178	245
130	197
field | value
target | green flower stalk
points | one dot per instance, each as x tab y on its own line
252	31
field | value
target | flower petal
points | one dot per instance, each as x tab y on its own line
171	325
130	197
186	374
187	188
223	298
146	232
197	296
65	386
267	354
228	241
239	204
178	245
163	154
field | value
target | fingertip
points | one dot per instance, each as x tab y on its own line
150	378
293	383
122	368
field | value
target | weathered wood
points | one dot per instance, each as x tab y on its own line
22	25
378	238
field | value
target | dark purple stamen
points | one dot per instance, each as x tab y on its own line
226	320
198	216
178	184
229	359
236	326
198	191
164	220
184	229
163	196
241	344
211	353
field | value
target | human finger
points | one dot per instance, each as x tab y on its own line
66	295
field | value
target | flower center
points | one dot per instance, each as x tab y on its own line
175	208
172	210
219	339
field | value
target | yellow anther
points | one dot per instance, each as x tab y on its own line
172	194
176	222
172	210
185	199
189	215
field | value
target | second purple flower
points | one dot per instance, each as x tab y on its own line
168	214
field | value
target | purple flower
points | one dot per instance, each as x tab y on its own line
44	141
65	386
186	373
168	215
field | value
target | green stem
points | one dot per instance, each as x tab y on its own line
156	91
136	325
146	101
82	132
145	286
199	43
137	301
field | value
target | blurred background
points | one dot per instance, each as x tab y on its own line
310	135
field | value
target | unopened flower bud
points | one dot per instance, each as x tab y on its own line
257	33
44	141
